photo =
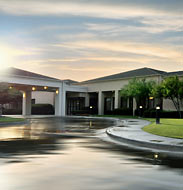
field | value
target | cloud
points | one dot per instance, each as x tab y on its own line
93	67
155	50
148	25
86	39
101	9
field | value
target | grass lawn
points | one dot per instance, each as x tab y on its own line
10	119
168	127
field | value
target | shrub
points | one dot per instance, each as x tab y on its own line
120	111
12	111
42	109
123	111
85	111
151	113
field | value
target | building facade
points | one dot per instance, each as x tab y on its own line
67	96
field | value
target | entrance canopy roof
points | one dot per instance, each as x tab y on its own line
25	74
25	80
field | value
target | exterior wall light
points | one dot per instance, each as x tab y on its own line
45	87
57	92
151	98
24	95
140	111
156	156
158	107
91	110
33	88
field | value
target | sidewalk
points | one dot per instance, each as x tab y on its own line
131	133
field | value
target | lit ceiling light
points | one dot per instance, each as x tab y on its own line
10	87
33	88
45	87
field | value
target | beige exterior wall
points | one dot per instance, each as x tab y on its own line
76	94
114	84
168	105
109	89
43	97
113	87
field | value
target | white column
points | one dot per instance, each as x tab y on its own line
26	105
63	102
100	103
58	99
116	99
87	100
134	106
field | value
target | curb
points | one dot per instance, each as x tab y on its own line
144	144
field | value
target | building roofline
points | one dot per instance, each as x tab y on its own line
102	79
124	78
47	79
7	72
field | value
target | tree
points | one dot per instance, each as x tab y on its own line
157	93
172	88
8	95
140	89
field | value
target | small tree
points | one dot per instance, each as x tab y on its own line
8	95
172	88
157	93
140	89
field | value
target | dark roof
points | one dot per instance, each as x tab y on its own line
68	81
178	73
22	73
142	72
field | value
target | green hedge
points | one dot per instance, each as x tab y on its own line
12	111
85	111
151	113
42	109
120	111
37	109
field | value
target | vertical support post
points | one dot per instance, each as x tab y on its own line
134	106
116	99
100	103
58	100
128	103
157	114
63	102
87	100
26	105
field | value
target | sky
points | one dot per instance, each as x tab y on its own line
86	39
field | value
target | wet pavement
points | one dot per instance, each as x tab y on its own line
130	131
66	153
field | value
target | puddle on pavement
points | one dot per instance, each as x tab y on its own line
33	160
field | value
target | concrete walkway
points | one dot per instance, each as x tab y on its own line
130	132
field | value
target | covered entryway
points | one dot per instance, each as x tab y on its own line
28	82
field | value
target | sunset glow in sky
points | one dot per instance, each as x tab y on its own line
84	39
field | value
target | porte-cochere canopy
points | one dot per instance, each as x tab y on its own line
27	82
